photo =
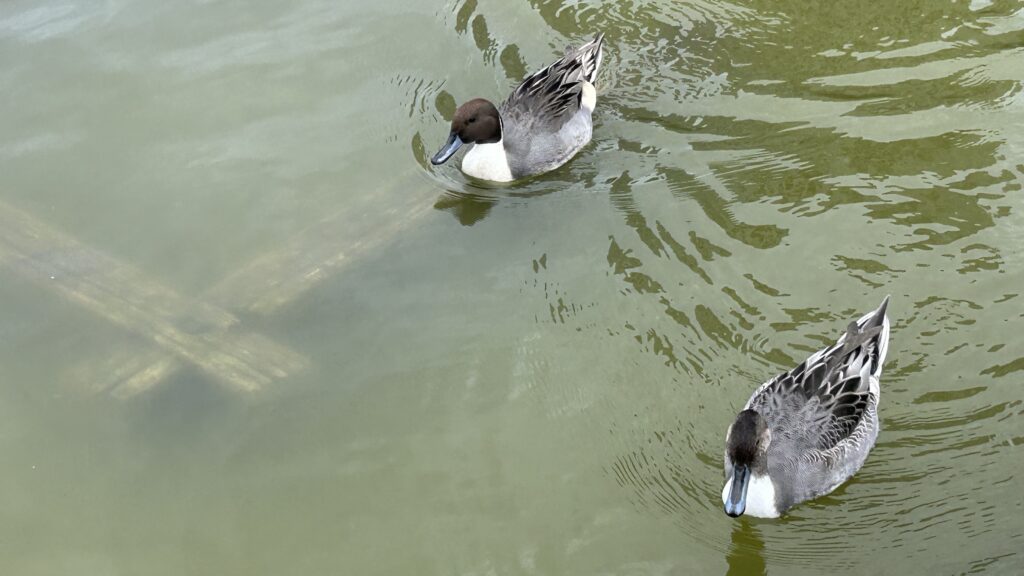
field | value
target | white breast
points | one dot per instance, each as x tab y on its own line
487	162
760	497
589	97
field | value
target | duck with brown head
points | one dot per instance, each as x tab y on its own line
806	431
475	122
747	444
542	124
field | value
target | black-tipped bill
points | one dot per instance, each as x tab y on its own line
446	151
736	502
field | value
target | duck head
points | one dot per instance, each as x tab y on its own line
745	455
475	122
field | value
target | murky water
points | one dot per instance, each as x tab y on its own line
247	330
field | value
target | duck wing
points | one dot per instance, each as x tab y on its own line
547	99
821	402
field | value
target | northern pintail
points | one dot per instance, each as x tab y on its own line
542	124
806	431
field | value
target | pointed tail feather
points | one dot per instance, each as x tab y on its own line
878	317
876	325
882	318
590	55
873	326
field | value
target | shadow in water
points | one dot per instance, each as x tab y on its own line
468	209
746	556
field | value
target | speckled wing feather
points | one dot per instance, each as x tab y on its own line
550	97
820	403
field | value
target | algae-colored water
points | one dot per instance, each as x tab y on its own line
247	329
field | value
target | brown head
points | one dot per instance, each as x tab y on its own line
475	122
746	447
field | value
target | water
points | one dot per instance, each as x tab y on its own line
248	330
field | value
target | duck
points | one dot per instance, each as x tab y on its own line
544	122
805	432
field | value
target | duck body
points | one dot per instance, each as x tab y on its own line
806	431
544	122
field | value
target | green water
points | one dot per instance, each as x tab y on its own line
532	379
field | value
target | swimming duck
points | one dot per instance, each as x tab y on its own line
542	124
806	431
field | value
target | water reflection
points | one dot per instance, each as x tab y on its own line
745	554
468	208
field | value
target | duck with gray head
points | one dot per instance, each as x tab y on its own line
543	123
806	431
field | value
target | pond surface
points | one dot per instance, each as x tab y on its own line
247	329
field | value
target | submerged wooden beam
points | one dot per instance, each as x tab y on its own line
280	277
128	370
268	283
191	331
